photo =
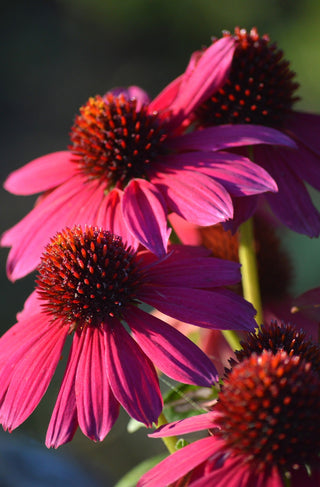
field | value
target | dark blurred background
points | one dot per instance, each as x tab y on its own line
55	54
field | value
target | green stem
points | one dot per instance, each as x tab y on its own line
169	441
232	338
249	270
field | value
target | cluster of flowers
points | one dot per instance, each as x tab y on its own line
215	148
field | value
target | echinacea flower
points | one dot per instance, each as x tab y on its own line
92	286
129	166
260	89
264	430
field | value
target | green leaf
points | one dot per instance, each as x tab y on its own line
131	478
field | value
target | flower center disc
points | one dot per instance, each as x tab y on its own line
85	276
260	88
114	141
270	411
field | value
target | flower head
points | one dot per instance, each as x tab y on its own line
129	165
264	428
261	89
92	286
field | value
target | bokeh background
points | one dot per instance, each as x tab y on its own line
57	53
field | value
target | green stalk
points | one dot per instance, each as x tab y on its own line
249	269
169	441
232	338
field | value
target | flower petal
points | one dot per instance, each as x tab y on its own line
71	203
41	174
194	272
305	127
31	377
236	173
132	376
133	92
173	353
180	463
64	422
230	136
221	309
96	405
292	204
195	197
166	97
209	74
200	422
145	214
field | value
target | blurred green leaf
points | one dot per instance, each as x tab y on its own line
131	478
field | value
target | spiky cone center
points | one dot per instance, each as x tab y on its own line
280	336
86	276
260	88
269	409
114	141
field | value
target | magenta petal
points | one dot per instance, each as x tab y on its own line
96	405
31	377
133	92
71	203
236	173
200	422
196	197
230	136
64	422
110	218
220	309
166	97
173	353
132	376
41	174
194	272
209	75
180	463
145	214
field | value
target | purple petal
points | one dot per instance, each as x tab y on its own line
220	309
239	175
145	214
64	422
305	127
209	75
173	353
71	203
200	422
97	407
195	272
133	92
42	174
244	208
31	377
304	163
180	463
292	204
132	376
195	197
229	136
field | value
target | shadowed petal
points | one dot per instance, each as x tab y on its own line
64	422
31	377
173	353
228	136
196	197
305	127
96	405
180	463
145	214
219	309
41	174
198	272
132	376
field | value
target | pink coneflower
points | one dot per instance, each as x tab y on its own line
264	429
129	166
261	90
88	284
